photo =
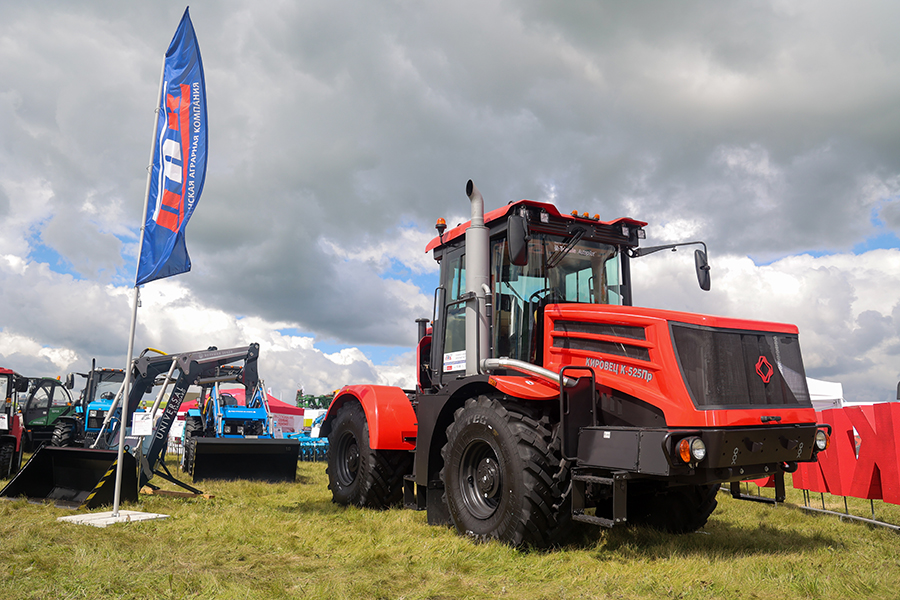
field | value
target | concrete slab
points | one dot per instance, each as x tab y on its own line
102	519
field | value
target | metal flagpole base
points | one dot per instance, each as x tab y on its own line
102	519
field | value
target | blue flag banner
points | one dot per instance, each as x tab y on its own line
179	159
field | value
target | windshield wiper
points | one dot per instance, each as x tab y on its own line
577	232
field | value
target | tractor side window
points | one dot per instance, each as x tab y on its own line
454	281
457	277
4	388
41	398
60	396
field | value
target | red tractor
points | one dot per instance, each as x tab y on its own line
544	396
11	385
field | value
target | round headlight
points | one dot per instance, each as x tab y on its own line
822	440
698	449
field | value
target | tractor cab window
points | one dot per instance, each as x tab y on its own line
41	397
587	272
455	334
5	387
61	396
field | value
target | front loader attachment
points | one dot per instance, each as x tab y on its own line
243	458
74	477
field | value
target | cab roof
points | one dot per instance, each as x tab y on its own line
503	211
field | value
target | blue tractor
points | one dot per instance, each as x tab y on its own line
91	418
227	439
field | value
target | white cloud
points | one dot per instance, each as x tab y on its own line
340	131
845	306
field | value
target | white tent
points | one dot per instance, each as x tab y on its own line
825	394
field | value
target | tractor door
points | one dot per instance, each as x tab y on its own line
60	402
7	391
37	407
448	348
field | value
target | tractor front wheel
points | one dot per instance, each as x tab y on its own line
501	474
8	462
63	434
187	458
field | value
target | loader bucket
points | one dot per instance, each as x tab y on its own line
243	458
74	477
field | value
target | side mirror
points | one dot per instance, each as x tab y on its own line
22	385
517	240
702	267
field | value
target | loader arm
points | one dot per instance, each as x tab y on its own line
196	368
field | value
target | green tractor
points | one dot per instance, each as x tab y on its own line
48	400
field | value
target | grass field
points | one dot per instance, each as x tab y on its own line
256	540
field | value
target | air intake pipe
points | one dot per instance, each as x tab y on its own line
478	277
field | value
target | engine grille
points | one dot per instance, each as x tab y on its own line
577	335
724	368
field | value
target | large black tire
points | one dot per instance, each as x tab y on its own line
503	475
63	434
187	456
8	460
357	474
193	426
681	509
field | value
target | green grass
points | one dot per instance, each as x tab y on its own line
256	540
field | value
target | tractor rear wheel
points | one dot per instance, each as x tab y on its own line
357	474
193	426
63	434
8	460
502	475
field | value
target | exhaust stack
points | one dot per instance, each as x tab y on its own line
478	277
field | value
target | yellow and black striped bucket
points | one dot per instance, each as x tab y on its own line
74	477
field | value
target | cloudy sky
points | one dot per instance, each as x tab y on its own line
340	130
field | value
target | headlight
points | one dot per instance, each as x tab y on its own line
822	440
691	449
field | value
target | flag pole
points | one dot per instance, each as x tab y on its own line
125	387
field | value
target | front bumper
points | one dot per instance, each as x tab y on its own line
732	453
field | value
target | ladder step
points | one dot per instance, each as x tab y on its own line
593	520
593	479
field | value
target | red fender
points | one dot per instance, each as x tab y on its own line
530	388
392	420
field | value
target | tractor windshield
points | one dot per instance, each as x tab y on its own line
107	385
557	272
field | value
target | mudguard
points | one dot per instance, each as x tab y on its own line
389	412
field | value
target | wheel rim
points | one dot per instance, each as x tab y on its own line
348	459
480	479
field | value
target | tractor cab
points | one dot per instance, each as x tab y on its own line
48	400
538	257
11	385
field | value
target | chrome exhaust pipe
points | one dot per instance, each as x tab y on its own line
478	278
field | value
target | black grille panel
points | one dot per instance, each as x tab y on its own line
720	367
623	331
620	348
